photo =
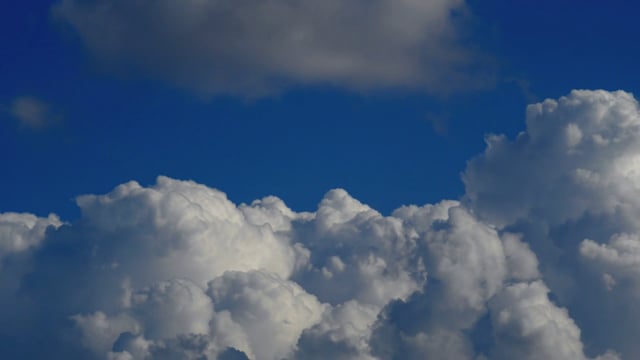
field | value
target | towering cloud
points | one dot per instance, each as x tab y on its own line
570	184
253	47
579	154
539	260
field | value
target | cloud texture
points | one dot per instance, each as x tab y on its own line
540	259
254	47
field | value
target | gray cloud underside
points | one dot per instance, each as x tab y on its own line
254	47
539	260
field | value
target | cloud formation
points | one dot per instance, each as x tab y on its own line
570	185
253	48
539	260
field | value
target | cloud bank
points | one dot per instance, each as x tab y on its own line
254	47
540	259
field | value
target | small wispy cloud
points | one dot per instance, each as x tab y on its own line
33	113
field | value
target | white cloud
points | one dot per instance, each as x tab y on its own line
177	270
356	253
467	259
540	260
578	154
467	266
22	232
343	333
256	313
528	326
619	259
272	312
612	278
573	175
522	263
170	308
254	47
99	332
21	235
183	230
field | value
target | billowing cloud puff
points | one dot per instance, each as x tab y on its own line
357	254
467	265
177	270
183	230
22	232
529	326
618	260
21	235
579	154
143	257
252	47
539	260
272	312
343	333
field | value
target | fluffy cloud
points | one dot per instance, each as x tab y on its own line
252	47
618	260
467	264
183	230
271	311
357	254
177	270
528	326
539	260
579	154
144	257
22	232
570	185
21	235
343	333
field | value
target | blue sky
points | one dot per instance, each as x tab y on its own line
380	144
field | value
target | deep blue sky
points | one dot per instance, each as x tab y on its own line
380	146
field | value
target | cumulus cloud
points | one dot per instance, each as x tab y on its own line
528	326
467	265
618	260
539	260
570	185
343	333
253	48
272	312
582	148
22	232
176	270
356	253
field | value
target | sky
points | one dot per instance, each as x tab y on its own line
385	179
107	125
